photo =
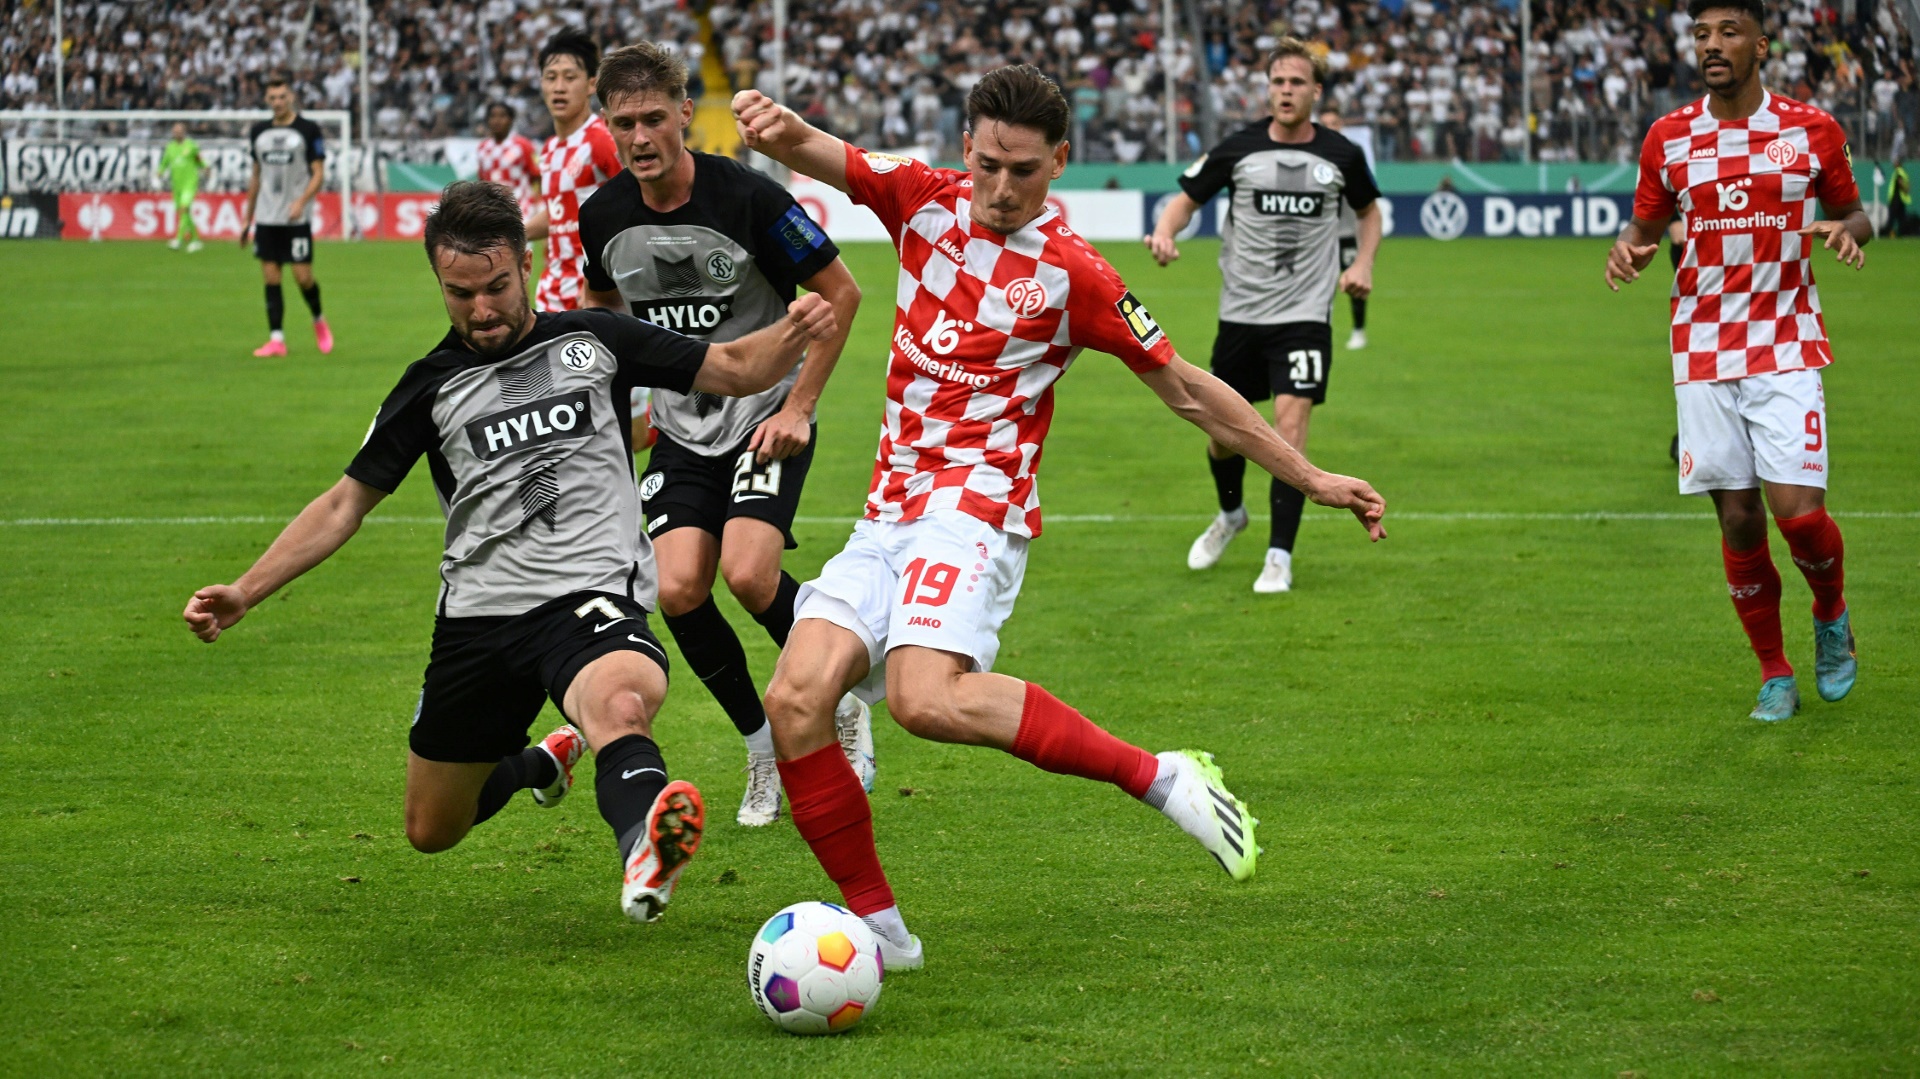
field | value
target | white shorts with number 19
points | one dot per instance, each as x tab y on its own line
945	581
1734	434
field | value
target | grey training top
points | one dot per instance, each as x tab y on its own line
531	456
720	267
1280	255
283	155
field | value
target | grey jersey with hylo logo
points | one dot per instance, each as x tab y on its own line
1279	255
532	458
719	267
284	156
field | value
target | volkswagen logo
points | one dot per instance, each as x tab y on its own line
1444	215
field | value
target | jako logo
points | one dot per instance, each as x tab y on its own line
1733	196
923	620
696	316
1704	151
944	335
548	420
952	250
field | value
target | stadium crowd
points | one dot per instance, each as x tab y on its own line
1433	78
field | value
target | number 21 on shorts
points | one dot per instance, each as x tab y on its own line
929	583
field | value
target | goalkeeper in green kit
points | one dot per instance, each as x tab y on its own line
180	164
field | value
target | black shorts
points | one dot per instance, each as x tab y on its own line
684	489
488	677
1292	359
1349	250
283	243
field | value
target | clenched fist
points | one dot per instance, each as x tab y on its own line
813	316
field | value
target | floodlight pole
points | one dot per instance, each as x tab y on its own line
366	103
1526	80
1166	76
780	52
59	66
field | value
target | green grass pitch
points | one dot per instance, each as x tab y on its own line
1515	817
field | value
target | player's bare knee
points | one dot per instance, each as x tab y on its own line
431	836
930	715
682	593
753	584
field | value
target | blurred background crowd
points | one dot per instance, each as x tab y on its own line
1433	79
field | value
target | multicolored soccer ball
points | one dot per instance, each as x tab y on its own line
814	968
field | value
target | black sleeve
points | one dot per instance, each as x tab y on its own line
647	355
316	139
1360	190
594	235
789	246
1206	177
402	430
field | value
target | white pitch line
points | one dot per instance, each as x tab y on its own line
1063	518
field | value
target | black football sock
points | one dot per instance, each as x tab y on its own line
276	308
777	619
629	775
311	294
1359	313
1229	480
714	653
1286	503
531	767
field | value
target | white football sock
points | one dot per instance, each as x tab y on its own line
888	924
760	742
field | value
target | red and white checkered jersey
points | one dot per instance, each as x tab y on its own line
571	170
984	325
1744	302
512	162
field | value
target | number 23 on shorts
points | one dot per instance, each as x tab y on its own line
929	584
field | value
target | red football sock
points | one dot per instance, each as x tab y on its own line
1814	541
831	813
1755	587
1055	737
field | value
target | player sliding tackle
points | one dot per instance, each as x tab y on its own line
996	297
1746	169
548	578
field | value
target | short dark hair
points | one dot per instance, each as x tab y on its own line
1021	95
1293	46
279	78
575	43
1755	8
512	113
475	217
645	68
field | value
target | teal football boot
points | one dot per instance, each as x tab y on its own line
1779	699
1834	664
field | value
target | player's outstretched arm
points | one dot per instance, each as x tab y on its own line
781	134
761	359
321	529
1174	217
788	431
1226	417
1845	231
1637	245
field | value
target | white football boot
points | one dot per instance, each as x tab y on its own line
1277	574
853	723
1357	340
760	805
565	745
1213	542
1193	794
910	955
673	832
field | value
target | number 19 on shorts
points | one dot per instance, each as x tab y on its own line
928	583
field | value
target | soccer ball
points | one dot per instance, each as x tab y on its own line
814	968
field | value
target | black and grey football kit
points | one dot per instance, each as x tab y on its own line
284	155
723	265
1280	254
546	566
